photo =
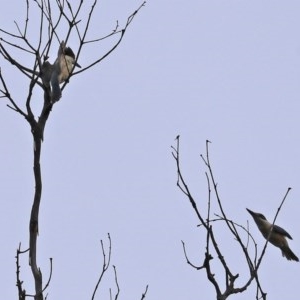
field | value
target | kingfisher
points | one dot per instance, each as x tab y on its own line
277	237
61	69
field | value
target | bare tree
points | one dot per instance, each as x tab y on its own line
213	244
54	17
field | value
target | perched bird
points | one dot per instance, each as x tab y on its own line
61	69
277	237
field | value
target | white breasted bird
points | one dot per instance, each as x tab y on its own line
277	237
61	69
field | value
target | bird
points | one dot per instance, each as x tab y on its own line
277	237
61	69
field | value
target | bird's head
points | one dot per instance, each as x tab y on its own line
70	57
256	215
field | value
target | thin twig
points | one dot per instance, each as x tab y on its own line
144	294
105	265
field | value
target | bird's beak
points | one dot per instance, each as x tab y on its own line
250	212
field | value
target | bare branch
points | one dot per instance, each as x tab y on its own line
117	284
121	32
105	265
144	294
27	18
10	59
188	260
7	95
50	276
21	291
182	185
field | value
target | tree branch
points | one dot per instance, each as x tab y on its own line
105	266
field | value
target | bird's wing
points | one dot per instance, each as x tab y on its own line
281	231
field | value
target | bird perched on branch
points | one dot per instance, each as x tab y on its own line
61	69
275	234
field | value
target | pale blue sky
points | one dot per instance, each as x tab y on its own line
227	71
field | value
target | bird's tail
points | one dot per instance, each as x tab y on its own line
56	91
289	254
